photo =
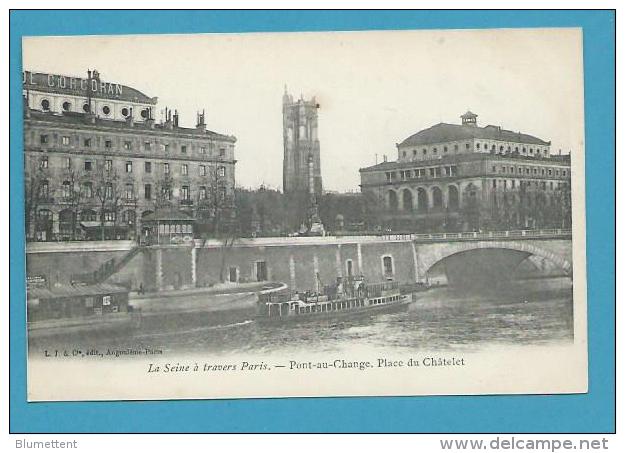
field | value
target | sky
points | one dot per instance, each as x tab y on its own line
374	88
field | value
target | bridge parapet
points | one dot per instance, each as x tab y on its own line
481	235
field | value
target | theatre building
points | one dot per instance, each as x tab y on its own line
458	177
97	161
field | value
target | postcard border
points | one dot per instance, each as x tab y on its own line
594	412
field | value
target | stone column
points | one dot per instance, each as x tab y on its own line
359	250
159	269
339	265
194	266
315	270
292	272
415	261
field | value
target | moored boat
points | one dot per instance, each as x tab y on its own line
70	309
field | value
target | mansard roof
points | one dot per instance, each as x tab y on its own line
444	132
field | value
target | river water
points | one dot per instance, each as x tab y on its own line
531	312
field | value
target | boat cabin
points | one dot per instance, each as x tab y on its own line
76	301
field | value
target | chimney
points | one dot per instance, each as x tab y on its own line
201	125
176	118
149	121
130	119
168	122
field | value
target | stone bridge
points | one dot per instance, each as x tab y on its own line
495	255
465	258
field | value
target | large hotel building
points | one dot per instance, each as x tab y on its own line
97	161
454	177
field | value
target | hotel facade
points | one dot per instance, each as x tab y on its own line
459	177
97	162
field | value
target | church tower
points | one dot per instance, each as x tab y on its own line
301	171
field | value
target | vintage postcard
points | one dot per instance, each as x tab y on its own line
305	214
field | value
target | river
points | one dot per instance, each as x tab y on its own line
531	312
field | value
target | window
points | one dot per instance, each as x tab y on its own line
467	146
563	172
65	140
222	152
202	193
108	191
435	151
494	169
221	171
513	183
147	191
147	146
444	149
86	108
494	183
87	142
68	163
550	171
66	189
184	169
387	264
501	149
166	147
109	216
108	164
477	146
185	193
88	165
127	144
202	170
166	168
403	154
106	110
425	151
108	144
44	189
202	150
87	190
129	192
148	167
125	111
45	105
129	167
183	149
43	139
414	152
455	147
43	163
166	193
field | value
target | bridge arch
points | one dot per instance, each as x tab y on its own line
432	254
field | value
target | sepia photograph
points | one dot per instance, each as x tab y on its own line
305	214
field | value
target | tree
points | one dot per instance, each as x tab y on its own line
216	211
72	196
108	194
37	191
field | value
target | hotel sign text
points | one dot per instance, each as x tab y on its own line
71	83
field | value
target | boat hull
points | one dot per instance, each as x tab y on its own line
396	307
65	326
